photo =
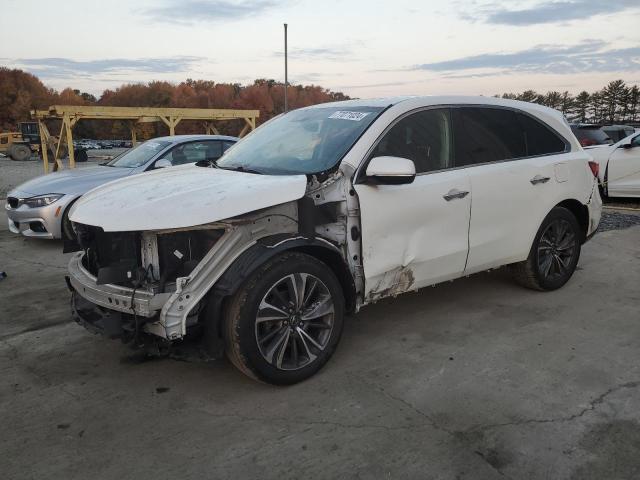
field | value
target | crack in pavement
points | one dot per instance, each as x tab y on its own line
455	435
592	406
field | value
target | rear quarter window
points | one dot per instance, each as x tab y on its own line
539	139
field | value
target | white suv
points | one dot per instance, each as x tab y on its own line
326	209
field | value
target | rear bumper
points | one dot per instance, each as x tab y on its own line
594	205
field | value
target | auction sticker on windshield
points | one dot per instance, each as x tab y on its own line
354	116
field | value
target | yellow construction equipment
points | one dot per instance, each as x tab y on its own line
20	145
70	115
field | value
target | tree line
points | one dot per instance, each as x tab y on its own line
21	92
615	103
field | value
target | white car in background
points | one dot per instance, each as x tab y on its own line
326	209
619	167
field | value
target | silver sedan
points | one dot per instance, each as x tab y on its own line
39	207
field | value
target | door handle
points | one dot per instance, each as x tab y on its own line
539	179
454	193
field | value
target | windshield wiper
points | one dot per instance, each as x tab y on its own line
207	163
240	168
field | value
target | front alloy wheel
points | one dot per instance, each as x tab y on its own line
284	323
294	322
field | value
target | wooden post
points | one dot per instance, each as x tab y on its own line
134	137
72	158
44	140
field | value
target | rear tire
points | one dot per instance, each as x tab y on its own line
20	153
554	254
284	323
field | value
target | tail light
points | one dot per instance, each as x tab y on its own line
595	168
587	142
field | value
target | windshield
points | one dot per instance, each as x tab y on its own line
139	155
302	141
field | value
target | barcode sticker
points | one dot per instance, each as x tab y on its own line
353	116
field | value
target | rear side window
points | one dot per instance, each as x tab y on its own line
486	135
538	138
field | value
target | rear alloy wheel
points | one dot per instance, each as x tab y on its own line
555	252
284	323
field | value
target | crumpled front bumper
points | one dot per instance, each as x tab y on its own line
113	297
100	320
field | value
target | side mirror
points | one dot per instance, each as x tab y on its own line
163	163
391	170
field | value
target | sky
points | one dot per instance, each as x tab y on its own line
365	49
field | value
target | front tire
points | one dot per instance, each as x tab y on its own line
284	323
20	153
554	254
66	229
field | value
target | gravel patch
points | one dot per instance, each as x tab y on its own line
617	221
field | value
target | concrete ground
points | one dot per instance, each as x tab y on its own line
475	379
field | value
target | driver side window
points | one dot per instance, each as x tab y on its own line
424	137
636	141
194	152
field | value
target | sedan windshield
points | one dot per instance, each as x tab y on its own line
302	141
139	155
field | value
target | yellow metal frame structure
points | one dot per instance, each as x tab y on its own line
70	115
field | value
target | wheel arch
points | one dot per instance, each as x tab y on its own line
580	211
254	257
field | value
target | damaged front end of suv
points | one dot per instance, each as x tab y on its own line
185	250
154	286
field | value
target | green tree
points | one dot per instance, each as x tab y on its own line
581	106
613	97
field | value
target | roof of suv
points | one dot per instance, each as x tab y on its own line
445	100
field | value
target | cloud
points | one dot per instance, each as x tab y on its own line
589	56
66	67
554	12
318	53
195	11
379	85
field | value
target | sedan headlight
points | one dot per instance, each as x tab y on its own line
42	200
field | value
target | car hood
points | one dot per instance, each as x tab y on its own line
72	181
181	197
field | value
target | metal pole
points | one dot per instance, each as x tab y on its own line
286	70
